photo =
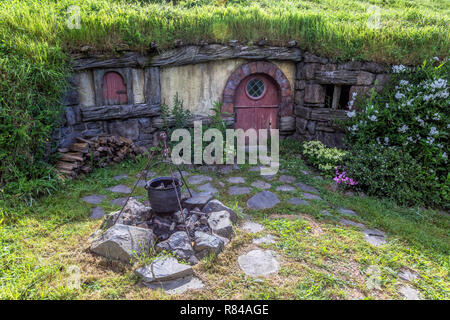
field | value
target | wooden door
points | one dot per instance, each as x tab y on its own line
114	89
256	103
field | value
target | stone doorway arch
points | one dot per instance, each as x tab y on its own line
236	95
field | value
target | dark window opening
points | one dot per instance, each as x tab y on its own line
344	98
329	91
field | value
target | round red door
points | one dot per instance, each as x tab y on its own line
114	89
256	103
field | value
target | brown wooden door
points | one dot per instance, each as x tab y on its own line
256	103
114	89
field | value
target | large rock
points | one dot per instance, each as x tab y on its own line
215	205
180	244
164	269
206	244
263	200
220	224
122	242
259	263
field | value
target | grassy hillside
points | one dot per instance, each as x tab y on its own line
407	30
35	41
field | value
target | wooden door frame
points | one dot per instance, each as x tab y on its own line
98	84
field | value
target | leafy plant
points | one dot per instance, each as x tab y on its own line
410	118
323	158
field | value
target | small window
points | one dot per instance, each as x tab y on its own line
345	97
255	88
329	91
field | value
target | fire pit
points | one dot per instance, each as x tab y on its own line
162	194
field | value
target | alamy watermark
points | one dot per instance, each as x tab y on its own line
74	19
255	143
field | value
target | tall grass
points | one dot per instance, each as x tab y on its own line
35	42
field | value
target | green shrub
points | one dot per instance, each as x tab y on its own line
411	117
323	158
391	173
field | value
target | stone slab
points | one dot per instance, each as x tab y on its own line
263	200
259	263
94	198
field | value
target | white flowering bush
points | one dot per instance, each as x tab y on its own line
412	117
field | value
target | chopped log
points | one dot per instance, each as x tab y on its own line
99	151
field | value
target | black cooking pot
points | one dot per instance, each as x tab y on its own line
162	195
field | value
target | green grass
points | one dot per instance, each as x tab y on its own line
409	30
320	258
36	43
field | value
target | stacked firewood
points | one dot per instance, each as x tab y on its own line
85	154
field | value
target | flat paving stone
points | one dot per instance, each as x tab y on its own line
407	275
306	188
198	200
261	184
310	196
285	188
147	174
346	222
409	293
121	201
265	240
177	175
120	177
141	183
97	213
263	200
287	179
197	179
234	191
269	177
94	198
236	180
375	237
259	263
164	269
177	286
318	177
347	212
252	227
325	213
121	188
304	172
298	201
208	188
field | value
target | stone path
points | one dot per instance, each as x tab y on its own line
263	200
97	213
234	191
121	188
208	188
265	240
285	188
252	227
261	184
375	237
259	263
306	188
298	201
236	180
94	198
197	179
174	277
409	293
347	212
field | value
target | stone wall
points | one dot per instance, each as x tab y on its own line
322	91
199	74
